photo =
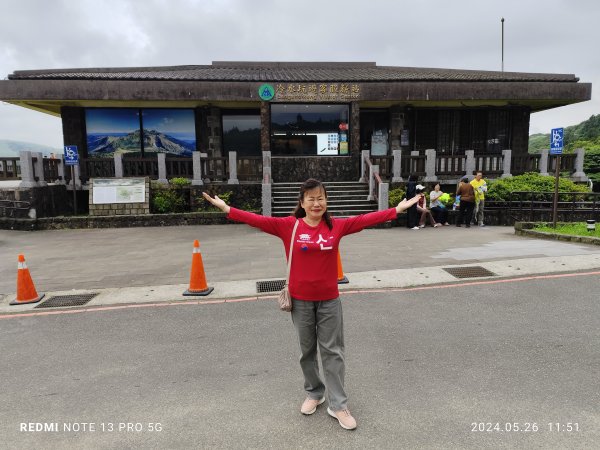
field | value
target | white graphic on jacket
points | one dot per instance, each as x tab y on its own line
321	240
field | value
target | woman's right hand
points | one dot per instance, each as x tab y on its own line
216	201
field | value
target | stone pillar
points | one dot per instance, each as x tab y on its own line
77	170
373	169
383	196
197	169
39	168
364	155
430	165
396	127
266	199
579	174
544	162
506	160
265	127
412	166
233	179
118	158
27	177
469	163
215	139
162	168
267	173
397	167
61	169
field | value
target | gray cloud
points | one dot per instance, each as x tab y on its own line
554	36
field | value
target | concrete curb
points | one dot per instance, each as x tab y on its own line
245	290
559	237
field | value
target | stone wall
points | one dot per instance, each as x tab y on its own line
48	201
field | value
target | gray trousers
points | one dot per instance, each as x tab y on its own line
321	323
479	208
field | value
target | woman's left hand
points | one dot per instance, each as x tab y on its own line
405	204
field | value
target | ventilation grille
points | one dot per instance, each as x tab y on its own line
60	301
269	286
469	272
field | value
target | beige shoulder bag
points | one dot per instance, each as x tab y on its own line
285	299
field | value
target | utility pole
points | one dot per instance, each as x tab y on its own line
502	20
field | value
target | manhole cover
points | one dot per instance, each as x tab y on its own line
270	286
67	300
469	272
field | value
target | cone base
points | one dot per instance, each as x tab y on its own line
207	291
344	280
24	302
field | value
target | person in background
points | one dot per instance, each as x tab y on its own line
438	209
480	188
412	220
423	211
316	306
467	202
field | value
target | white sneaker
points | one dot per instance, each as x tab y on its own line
415	228
421	226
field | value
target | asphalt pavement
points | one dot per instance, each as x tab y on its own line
137	265
506	363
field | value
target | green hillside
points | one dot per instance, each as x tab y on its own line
585	135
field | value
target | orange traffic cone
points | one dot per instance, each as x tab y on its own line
342	279
26	292
197	277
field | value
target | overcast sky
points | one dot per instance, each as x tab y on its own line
550	36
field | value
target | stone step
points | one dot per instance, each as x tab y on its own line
338	214
362	206
290	204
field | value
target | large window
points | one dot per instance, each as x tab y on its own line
140	132
453	132
309	129
241	132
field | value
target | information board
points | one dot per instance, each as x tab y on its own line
118	190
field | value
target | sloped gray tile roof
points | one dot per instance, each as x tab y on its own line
286	72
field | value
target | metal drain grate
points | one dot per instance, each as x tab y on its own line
270	286
469	272
67	300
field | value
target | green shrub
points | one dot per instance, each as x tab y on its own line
180	181
167	200
529	182
395	196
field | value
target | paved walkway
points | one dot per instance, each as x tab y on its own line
152	264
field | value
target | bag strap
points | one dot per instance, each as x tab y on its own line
287	280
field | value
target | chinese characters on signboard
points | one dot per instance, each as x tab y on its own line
321	92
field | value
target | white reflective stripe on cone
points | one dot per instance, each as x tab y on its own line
22	265
196	250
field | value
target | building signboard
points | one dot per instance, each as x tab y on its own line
317	92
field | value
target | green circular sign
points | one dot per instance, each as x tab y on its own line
266	92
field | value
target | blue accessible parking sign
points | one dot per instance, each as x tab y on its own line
71	155
556	141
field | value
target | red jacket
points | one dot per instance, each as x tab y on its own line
313	275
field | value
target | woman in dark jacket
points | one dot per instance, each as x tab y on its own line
412	221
